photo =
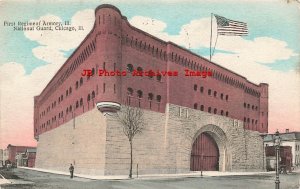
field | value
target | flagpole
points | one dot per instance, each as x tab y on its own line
211	17
213	51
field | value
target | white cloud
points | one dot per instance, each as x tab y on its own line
18	88
63	39
246	59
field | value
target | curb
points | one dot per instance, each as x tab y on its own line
148	177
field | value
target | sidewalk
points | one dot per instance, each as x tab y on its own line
4	180
152	176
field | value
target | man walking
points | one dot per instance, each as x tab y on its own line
71	169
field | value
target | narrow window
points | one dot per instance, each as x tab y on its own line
81	81
195	106
129	68
201	89
209	91
158	77
195	87
158	98
139	94
202	108
130	91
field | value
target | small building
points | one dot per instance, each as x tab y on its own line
291	139
14	153
285	158
27	158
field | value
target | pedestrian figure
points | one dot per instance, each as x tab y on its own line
71	169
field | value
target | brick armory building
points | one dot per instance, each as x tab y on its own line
193	123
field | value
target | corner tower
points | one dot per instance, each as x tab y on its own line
108	30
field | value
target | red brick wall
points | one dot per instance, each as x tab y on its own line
112	44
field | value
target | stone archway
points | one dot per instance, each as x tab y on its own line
215	135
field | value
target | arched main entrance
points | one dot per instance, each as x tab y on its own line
205	154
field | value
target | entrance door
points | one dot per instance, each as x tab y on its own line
205	154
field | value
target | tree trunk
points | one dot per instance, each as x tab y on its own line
130	171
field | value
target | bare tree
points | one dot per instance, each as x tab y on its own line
132	121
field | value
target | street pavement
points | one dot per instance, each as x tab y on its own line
31	179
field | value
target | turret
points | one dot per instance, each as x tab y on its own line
263	107
108	30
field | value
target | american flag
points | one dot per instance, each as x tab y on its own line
231	27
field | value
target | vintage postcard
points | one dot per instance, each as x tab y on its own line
150	94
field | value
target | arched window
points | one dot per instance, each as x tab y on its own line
140	94
195	87
202	108
81	81
222	112
70	90
150	96
129	68
248	106
129	91
215	111
209	91
93	94
252	107
227	113
215	94
88	97
81	102
76	85
201	89
209	109
158	77
222	96
195	106
77	104
61	98
158	98
245	119
226	97
67	92
245	105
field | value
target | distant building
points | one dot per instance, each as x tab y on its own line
291	139
285	158
13	151
27	158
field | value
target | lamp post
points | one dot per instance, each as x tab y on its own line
277	141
